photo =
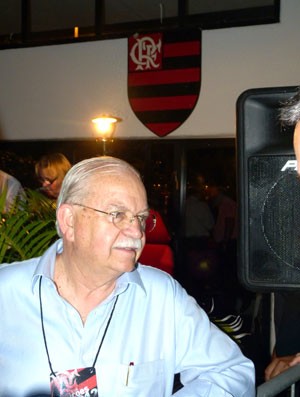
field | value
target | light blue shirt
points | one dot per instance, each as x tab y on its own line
156	326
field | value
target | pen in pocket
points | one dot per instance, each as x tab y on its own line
131	364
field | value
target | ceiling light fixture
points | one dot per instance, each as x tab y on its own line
105	127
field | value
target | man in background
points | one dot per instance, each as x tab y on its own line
11	188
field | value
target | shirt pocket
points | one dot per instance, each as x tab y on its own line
143	380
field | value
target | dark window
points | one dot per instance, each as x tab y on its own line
41	22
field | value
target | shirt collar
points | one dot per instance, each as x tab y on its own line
46	262
46	265
130	278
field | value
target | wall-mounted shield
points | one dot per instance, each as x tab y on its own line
164	77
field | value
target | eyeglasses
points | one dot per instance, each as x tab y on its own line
121	219
47	180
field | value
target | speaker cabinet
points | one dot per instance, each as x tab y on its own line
268	193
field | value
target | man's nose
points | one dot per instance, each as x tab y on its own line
133	228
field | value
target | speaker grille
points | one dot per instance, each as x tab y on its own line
274	221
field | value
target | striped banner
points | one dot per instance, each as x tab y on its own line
164	77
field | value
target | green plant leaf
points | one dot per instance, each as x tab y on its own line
28	228
3	199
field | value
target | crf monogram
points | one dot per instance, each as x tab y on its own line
144	53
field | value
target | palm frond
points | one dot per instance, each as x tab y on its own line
3	199
28	228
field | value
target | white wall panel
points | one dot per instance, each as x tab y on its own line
54	91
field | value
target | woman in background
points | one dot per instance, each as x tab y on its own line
50	171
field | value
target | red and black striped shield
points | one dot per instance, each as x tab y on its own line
164	77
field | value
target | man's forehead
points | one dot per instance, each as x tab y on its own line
115	178
126	183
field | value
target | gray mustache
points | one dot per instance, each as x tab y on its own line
131	243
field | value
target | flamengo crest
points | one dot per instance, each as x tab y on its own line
164	77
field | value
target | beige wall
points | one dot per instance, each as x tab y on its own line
54	91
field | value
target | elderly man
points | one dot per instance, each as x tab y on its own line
87	319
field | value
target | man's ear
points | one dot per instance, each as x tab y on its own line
65	219
297	144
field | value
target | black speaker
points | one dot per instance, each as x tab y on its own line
268	193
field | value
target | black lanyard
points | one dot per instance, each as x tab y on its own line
44	334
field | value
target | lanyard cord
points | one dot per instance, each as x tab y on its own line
43	328
44	334
106	328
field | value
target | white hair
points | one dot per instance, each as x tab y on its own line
75	186
290	112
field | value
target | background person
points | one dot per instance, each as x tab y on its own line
224	209
12	188
50	171
199	220
201	261
87	305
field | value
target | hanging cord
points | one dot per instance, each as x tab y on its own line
161	12
106	328
44	334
